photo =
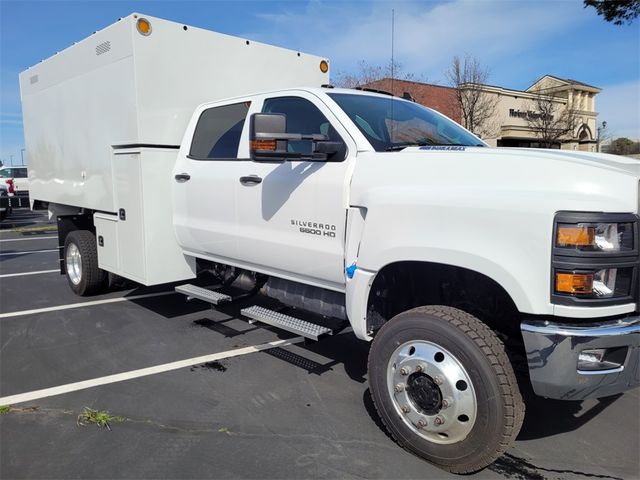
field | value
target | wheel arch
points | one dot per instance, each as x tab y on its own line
69	219
402	285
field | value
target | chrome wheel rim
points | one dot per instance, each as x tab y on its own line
74	264
432	392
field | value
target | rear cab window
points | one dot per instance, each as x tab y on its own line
218	131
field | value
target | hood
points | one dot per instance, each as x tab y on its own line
624	165
531	179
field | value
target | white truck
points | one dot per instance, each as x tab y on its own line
459	262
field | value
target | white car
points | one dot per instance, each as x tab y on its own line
19	177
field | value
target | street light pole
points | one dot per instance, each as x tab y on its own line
22	155
11	159
601	127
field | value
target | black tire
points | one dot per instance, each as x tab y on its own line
92	279
499	406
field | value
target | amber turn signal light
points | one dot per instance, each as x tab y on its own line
574	283
575	236
143	26
264	145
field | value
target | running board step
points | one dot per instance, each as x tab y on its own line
286	322
192	291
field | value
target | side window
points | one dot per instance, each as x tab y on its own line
304	117
6	173
21	173
217	134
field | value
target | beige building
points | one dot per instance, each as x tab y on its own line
517	121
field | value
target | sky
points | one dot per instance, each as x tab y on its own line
517	40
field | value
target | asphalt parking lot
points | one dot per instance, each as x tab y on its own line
279	410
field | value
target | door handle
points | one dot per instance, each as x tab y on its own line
250	180
182	177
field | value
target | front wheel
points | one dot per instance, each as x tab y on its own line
81	263
444	387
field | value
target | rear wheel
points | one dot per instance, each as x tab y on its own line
444	387
81	262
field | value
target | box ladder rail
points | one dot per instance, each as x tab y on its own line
204	294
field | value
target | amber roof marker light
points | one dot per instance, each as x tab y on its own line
144	27
324	66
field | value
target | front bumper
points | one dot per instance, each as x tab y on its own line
553	350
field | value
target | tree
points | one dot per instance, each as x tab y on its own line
366	74
551	120
477	108
616	11
623	146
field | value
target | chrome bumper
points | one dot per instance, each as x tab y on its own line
553	350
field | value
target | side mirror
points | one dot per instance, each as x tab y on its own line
269	141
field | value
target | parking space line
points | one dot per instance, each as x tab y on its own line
84	304
46	228
28	252
32	222
143	372
23	239
6	275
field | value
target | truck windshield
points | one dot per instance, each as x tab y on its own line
393	124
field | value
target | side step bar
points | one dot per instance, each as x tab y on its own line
286	322
192	291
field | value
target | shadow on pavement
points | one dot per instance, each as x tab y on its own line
546	417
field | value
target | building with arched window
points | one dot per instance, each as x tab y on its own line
551	113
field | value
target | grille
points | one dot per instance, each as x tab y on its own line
104	47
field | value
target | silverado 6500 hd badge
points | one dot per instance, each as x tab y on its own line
315	228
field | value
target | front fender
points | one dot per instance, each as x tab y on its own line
512	250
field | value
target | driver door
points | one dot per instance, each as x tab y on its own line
291	219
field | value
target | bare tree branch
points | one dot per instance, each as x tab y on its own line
366	74
477	108
551	120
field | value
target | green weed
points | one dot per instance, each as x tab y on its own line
101	418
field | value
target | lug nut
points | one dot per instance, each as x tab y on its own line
422	423
399	387
404	371
405	409
446	403
438	379
419	368
439	420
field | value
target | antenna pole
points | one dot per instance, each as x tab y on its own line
393	23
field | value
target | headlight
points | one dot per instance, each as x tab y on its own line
596	237
595	259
